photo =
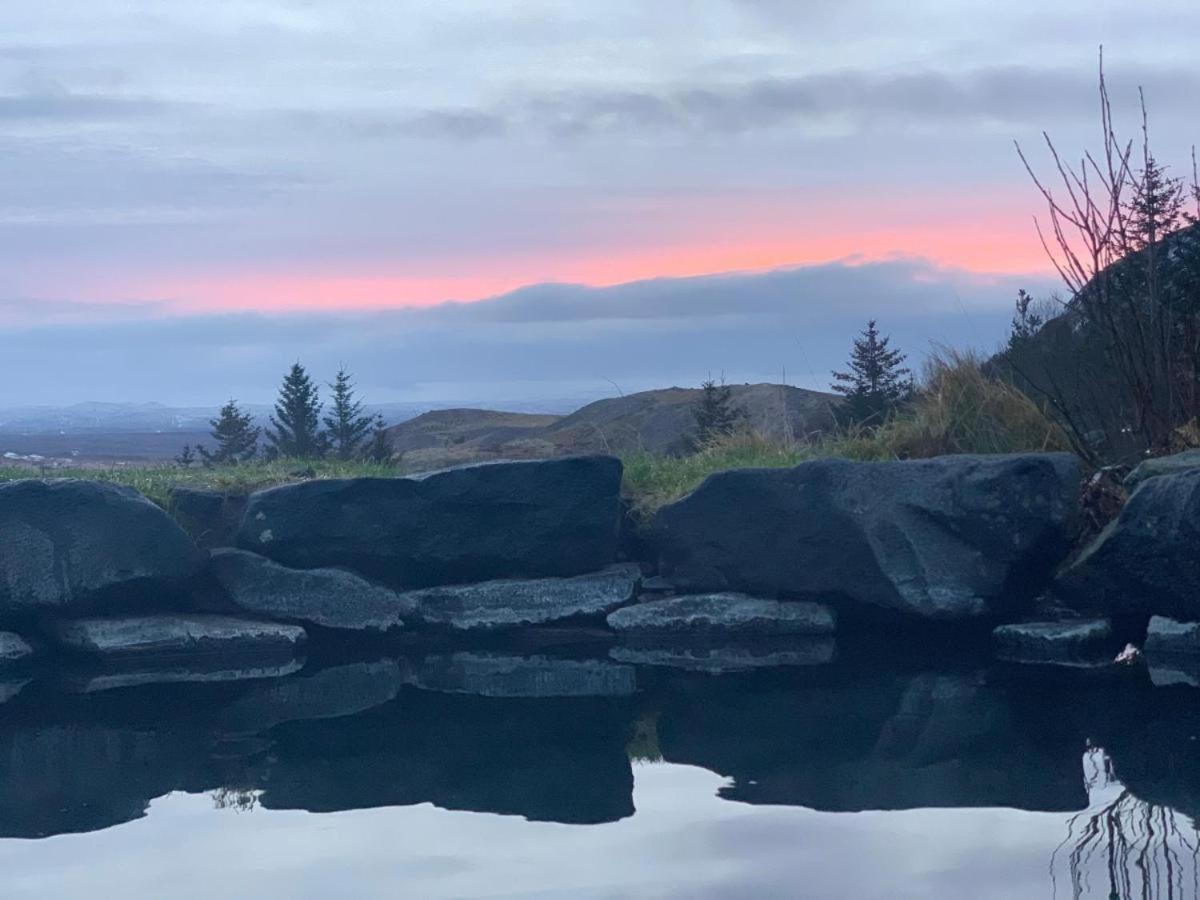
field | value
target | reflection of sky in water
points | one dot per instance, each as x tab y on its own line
683	842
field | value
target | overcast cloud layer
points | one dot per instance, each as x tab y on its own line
325	156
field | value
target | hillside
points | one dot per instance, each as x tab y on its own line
653	421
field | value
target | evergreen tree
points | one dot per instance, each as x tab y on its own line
235	434
186	457
379	449
714	414
1157	206
877	381
346	427
295	430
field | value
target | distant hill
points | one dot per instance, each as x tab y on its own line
657	421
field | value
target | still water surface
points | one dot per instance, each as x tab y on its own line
442	777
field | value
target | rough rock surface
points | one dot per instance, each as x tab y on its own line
732	614
14	649
332	598
172	635
66	545
500	675
492	605
1148	560
1163	465
728	657
952	538
494	520
1076	640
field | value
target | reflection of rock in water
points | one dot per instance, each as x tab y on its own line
1122	846
881	741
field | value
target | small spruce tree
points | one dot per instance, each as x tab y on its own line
379	449
714	414
295	426
236	437
346	428
186	457
877	381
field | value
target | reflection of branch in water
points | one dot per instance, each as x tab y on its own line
237	799
1145	851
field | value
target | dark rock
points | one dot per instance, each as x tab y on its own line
1147	561
332	598
70	546
729	657
1079	640
210	517
953	538
658	585
501	675
729	614
495	520
14	649
492	605
1163	465
171	635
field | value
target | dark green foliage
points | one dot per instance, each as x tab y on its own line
346	428
715	417
877	381
1027	320
186	457
235	435
379	450
295	427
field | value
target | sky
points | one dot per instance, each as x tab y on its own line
608	194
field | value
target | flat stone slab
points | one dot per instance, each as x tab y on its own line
175	635
803	651
127	676
1069	641
493	605
1169	636
725	613
14	649
332	598
500	675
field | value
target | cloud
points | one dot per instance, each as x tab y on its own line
547	341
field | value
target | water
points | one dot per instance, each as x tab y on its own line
397	777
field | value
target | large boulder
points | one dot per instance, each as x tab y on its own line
954	538
721	614
495	605
210	517
495	520
1163	465
70	546
1147	561
332	598
183	635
